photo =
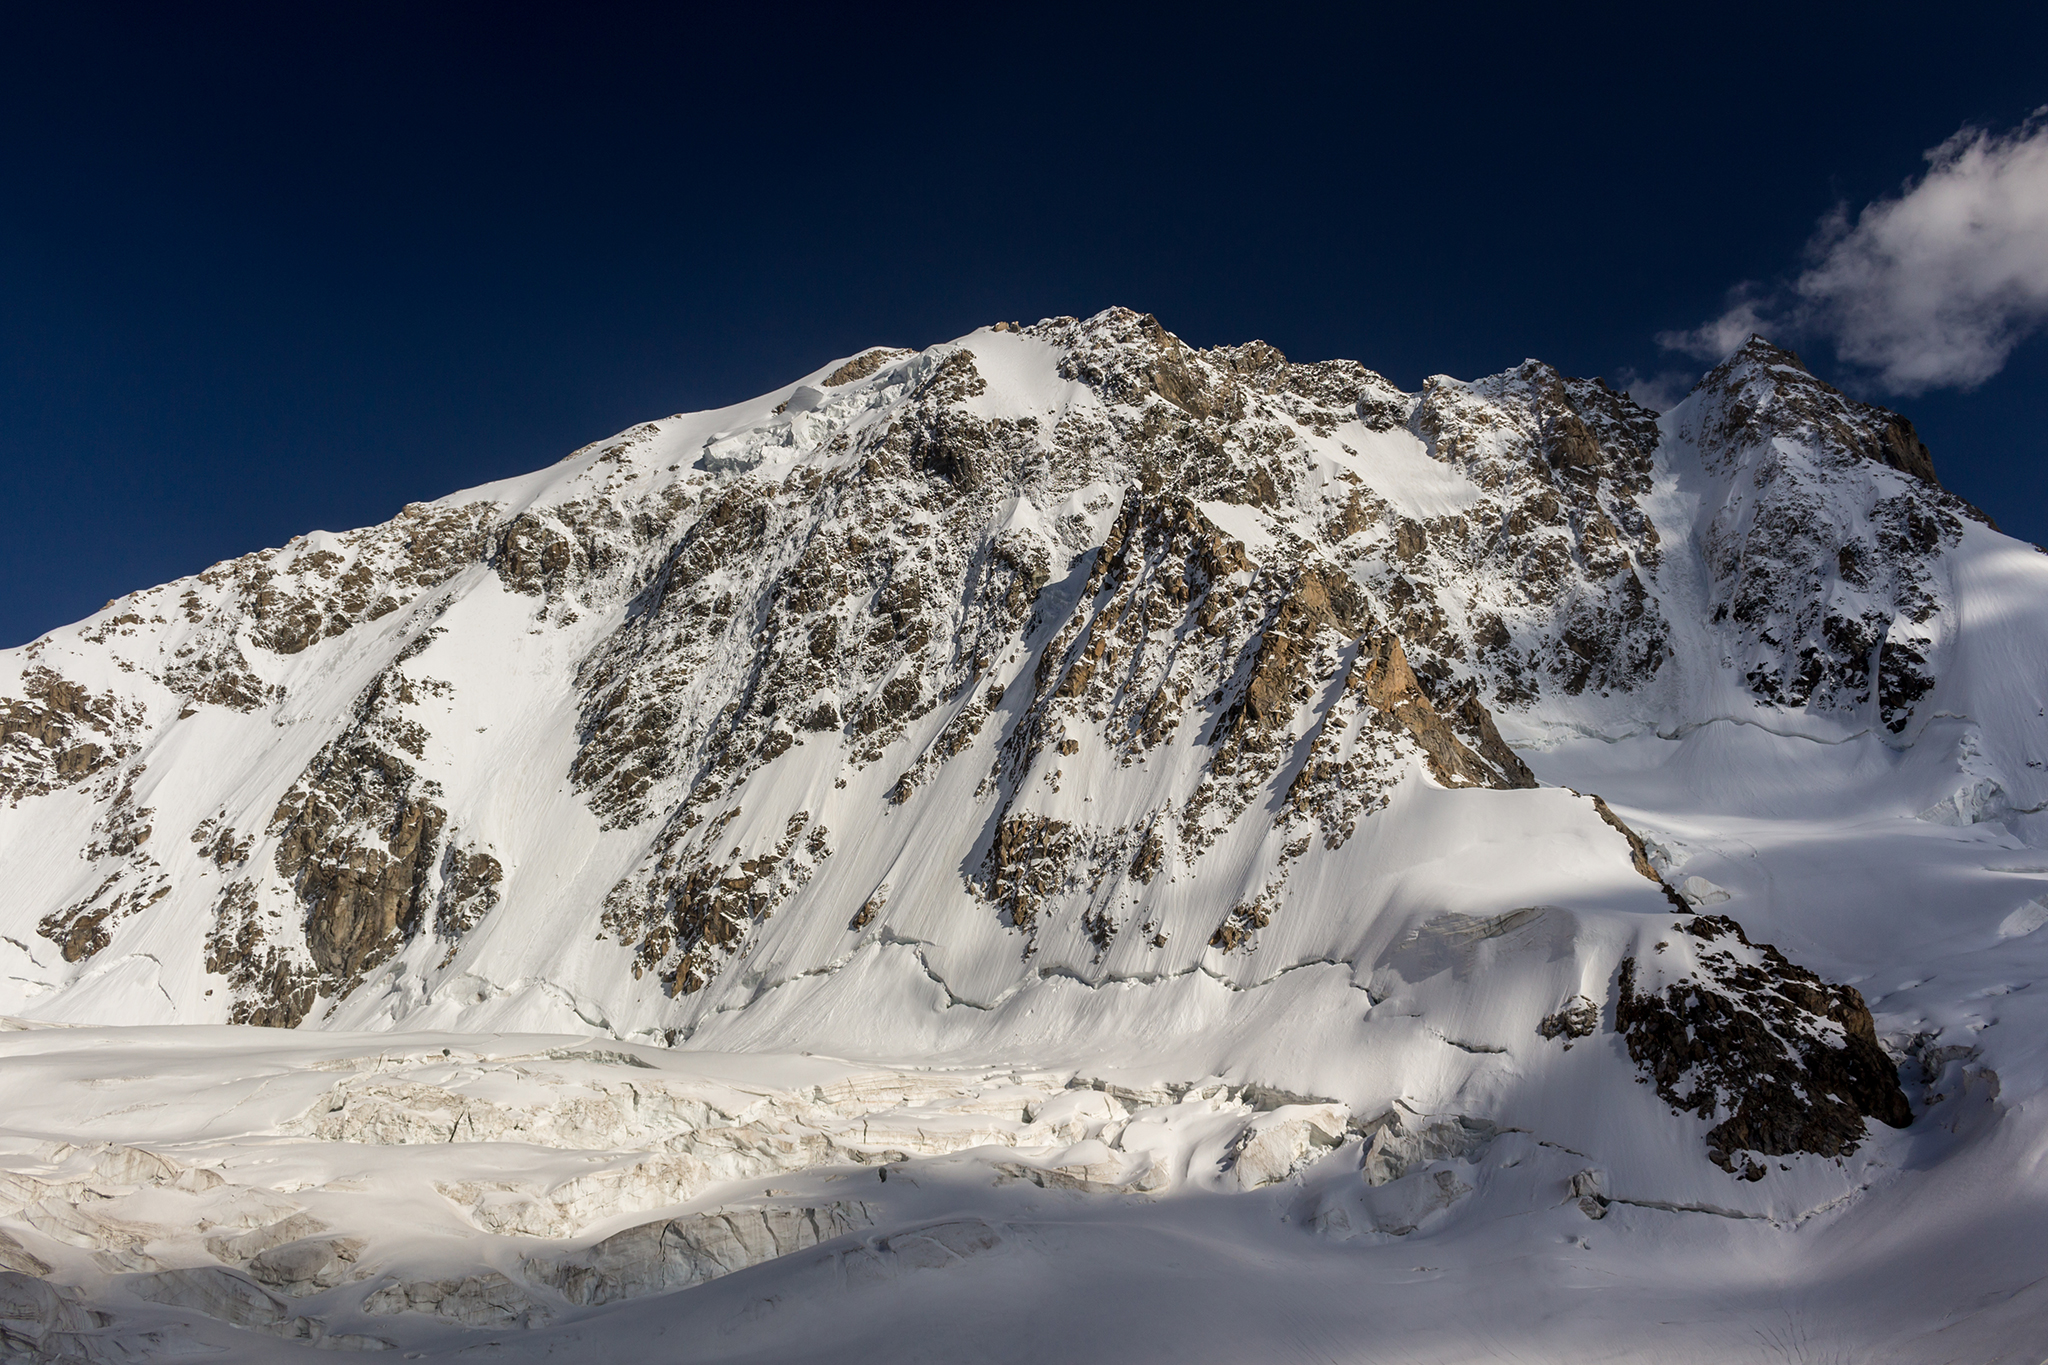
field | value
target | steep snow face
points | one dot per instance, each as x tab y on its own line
1066	702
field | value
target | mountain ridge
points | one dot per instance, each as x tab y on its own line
1089	793
1293	586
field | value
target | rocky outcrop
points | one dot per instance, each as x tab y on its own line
1381	717
57	734
1177	618
469	888
293	598
1542	586
861	366
688	912
357	838
1576	1018
1029	862
534	557
269	983
129	879
1735	1032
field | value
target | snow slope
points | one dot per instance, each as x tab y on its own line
1031	818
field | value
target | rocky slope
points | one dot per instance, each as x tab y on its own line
1066	694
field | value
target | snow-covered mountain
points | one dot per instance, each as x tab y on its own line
1186	786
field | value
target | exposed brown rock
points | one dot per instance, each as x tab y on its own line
270	985
1151	858
690	912
861	366
871	907
1576	1018
1638	852
1029	862
361	901
58	734
469	888
1389	686
358	839
293	598
1475	725
1787	1061
1244	921
132	881
533	556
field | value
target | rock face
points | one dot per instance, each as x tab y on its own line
56	735
1725	1027
1066	652
1832	604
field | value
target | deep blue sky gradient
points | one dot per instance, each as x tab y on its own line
273	268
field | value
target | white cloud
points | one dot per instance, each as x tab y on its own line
1665	390
1931	289
1936	287
1711	341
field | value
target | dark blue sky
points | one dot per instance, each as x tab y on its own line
262	272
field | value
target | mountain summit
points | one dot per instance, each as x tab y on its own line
1068	698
